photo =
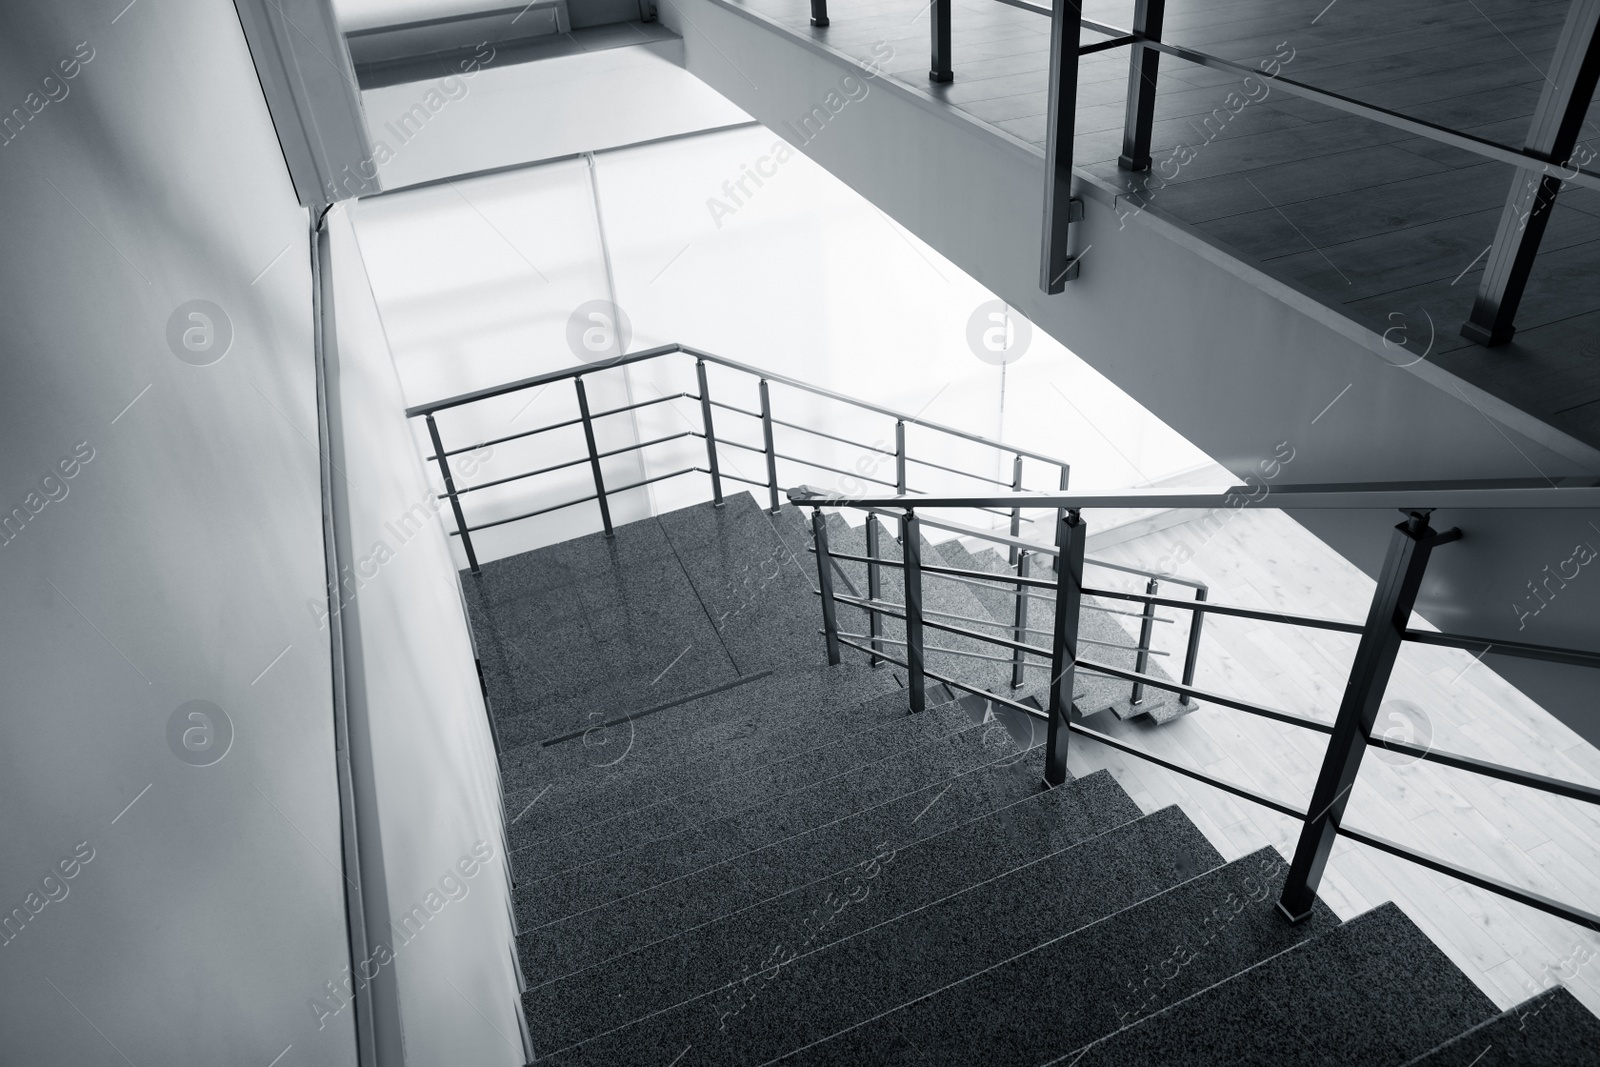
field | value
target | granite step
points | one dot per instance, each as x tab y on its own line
590	626
584	939
599	881
920	922
1373	991
1548	1030
754	585
1092	981
615	768
747	769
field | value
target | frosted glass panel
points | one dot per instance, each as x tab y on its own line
796	274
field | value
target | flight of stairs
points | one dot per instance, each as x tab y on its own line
726	852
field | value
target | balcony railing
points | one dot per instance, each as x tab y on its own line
1383	633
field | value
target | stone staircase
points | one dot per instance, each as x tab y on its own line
726	852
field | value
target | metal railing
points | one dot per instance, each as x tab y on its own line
1349	734
1020	552
1545	163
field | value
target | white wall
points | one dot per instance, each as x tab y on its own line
427	780
175	568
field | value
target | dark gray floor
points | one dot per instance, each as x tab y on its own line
1388	225
793	867
445	64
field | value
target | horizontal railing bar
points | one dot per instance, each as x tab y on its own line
952	683
1558	786
1207	607
1420	127
832	437
528	474
756	372
613	490
540	379
899	416
1511	494
1200	606
1126	569
508	437
954	470
937	648
1101	46
527	515
730	407
825	467
1198	775
1551	653
746	481
568	422
575	462
1200	694
1049	550
1482	881
1147	679
610	491
740	444
884	606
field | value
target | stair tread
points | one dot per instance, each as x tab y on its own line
652	977
912	939
754	586
732	779
864	786
770	877
1550	1029
1376	989
1092	981
578	782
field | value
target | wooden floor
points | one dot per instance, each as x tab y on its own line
1265	559
1388	225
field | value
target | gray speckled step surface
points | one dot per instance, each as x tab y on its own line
789	989
742	855
1550	1029
937	842
1372	991
693	845
1092	981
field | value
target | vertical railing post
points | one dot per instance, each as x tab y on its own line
900	465
1057	264
1016	512
1066	476
1019	628
900	458
1192	654
912	555
1070	535
711	433
450	491
874	589
819	12
1142	64
1146	624
939	70
766	435
830	621
1409	548
594	455
1554	134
